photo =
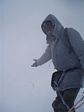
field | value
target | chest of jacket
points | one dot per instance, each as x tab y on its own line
63	55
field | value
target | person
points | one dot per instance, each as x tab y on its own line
66	50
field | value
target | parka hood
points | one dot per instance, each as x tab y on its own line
57	25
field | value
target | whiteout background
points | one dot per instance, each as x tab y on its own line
23	88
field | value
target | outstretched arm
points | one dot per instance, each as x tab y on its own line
44	58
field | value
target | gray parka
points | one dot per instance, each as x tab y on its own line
65	54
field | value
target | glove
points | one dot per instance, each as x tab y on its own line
35	63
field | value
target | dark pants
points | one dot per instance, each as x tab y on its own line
69	97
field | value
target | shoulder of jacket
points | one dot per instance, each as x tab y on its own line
72	31
74	35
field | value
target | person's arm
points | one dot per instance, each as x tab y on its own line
77	44
44	58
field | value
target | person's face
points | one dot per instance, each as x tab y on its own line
48	27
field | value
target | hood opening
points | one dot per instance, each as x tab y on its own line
54	22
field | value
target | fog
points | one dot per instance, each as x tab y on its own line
23	88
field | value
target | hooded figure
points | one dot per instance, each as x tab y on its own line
66	49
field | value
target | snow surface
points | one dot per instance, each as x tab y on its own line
23	88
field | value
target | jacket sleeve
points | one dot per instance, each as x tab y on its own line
45	57
77	44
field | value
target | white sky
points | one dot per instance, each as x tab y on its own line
24	88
